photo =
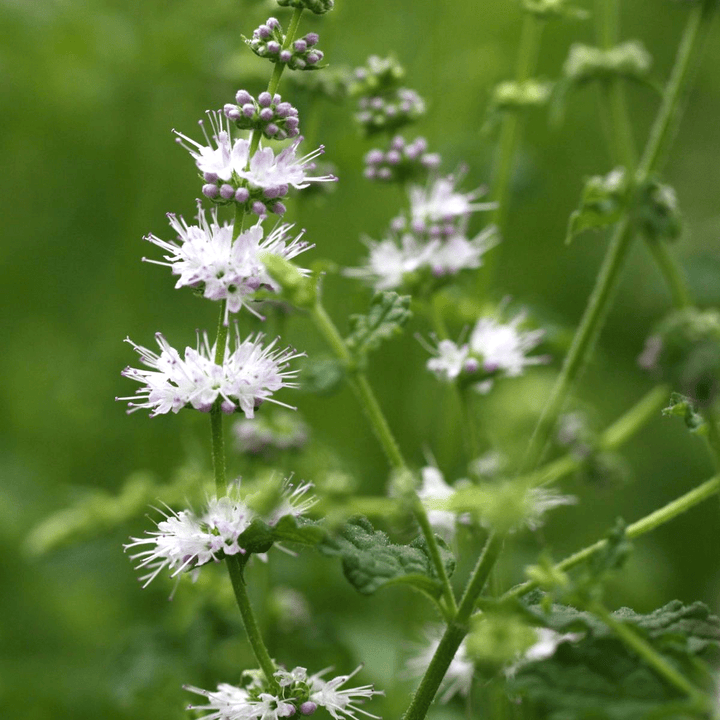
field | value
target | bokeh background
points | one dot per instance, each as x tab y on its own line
89	92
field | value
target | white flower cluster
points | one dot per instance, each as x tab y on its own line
295	691
208	259
185	540
257	182
431	239
494	349
249	374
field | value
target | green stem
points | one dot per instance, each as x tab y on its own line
454	633
648	653
671	272
641	527
218	449
235	564
373	412
609	275
713	436
510	133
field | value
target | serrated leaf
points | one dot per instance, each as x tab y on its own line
386	317
259	537
598	677
371	561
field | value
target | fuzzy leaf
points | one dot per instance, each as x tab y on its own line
684	407
370	561
388	313
598	677
259	537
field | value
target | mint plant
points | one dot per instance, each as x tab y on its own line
550	646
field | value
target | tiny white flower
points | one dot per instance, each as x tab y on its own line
449	361
233	703
214	160
539	500
457	253
250	374
459	675
440	202
434	487
547	643
503	346
226	269
266	170
340	703
388	263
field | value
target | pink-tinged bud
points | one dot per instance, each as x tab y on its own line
377	103
267	114
312	39
273	47
258	208
285	56
242	97
393	157
418	226
384	173
232	112
227	407
283	190
292	122
370	173
264	99
279	209
374	157
283	109
264	32
490	367
271	192
397	224
308	707
248	109
471	366
210	177
210	191
227	192
273	23
242	195
271	129
398	142
300	46
300	63
430	160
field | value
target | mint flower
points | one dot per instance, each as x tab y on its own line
434	487
297	692
186	541
248	376
494	349
208	259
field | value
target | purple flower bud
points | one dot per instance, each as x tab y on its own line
370	173
282	110
421	144
293	111
210	177
391	110
393	157
418	226
374	157
397	224
227	191
312	39
271	129
435	231
312	57
308	707
405	106
490	367
471	366
285	56
320	54
272	23
276	99
267	114
242	195
300	46
273	47
271	193
264	99
279	209
384	173
438	271
283	190
248	110
430	160
227	407
398	142
292	122
300	64
232	112
258	208
210	191
282	135
377	103
264	32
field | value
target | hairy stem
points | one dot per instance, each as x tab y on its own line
375	416
455	632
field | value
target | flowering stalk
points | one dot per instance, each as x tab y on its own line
609	275
370	405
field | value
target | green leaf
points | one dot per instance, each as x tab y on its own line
684	407
387	315
259	537
321	375
371	561
602	203
598	677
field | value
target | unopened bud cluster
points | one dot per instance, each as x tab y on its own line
378	75
268	41
401	161
512	95
658	215
547	9
585	63
378	113
275	119
319	7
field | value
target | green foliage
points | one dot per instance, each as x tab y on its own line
681	406
387	315
259	537
319	7
548	9
321	375
657	214
298	289
599	678
371	561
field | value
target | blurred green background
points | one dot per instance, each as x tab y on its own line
89	91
